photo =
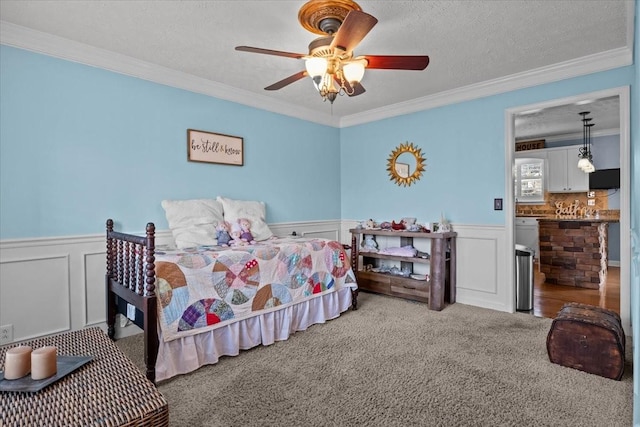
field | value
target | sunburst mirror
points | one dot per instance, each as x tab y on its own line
405	164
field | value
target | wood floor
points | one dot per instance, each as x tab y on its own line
548	298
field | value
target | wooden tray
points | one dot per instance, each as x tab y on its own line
66	365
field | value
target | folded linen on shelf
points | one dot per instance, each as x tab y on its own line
407	251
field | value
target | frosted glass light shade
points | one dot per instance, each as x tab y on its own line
583	162
353	71
316	67
589	168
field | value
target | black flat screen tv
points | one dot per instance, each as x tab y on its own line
604	179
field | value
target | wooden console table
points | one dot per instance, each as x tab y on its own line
438	291
108	391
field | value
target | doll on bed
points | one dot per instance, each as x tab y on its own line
245	231
222	233
235	233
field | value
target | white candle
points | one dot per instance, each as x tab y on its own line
17	362
43	362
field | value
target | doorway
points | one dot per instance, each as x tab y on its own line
622	95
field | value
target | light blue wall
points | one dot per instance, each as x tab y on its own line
80	144
464	147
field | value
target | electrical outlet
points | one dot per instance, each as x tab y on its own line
6	334
131	312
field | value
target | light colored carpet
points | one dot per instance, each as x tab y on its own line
395	363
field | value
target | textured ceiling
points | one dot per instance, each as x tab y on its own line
566	121
468	42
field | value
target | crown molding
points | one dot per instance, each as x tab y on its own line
573	68
47	44
36	41
576	136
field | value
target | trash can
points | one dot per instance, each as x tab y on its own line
524	278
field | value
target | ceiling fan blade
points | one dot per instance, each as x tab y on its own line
270	52
284	82
358	89
354	28
397	62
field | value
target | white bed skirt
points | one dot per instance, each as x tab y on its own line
187	354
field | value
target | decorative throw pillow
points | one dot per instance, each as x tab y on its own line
193	222
252	210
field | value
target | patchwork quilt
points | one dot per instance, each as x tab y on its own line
208	287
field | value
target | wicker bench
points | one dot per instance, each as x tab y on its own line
108	391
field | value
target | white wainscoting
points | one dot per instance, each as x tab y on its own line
34	293
482	259
53	285
312	229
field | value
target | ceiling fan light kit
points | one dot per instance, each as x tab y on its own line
354	71
330	62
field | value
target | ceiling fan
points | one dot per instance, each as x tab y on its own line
331	63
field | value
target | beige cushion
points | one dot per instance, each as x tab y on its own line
252	210
193	222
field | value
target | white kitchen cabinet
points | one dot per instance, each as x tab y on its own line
564	176
527	233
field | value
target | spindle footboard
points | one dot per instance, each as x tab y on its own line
131	277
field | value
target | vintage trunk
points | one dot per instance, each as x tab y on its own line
588	338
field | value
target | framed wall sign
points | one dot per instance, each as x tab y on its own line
530	145
212	147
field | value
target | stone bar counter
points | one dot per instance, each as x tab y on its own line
574	251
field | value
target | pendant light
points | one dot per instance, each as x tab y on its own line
585	163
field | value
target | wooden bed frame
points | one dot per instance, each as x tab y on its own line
131	276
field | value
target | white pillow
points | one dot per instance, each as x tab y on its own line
193	222
252	210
